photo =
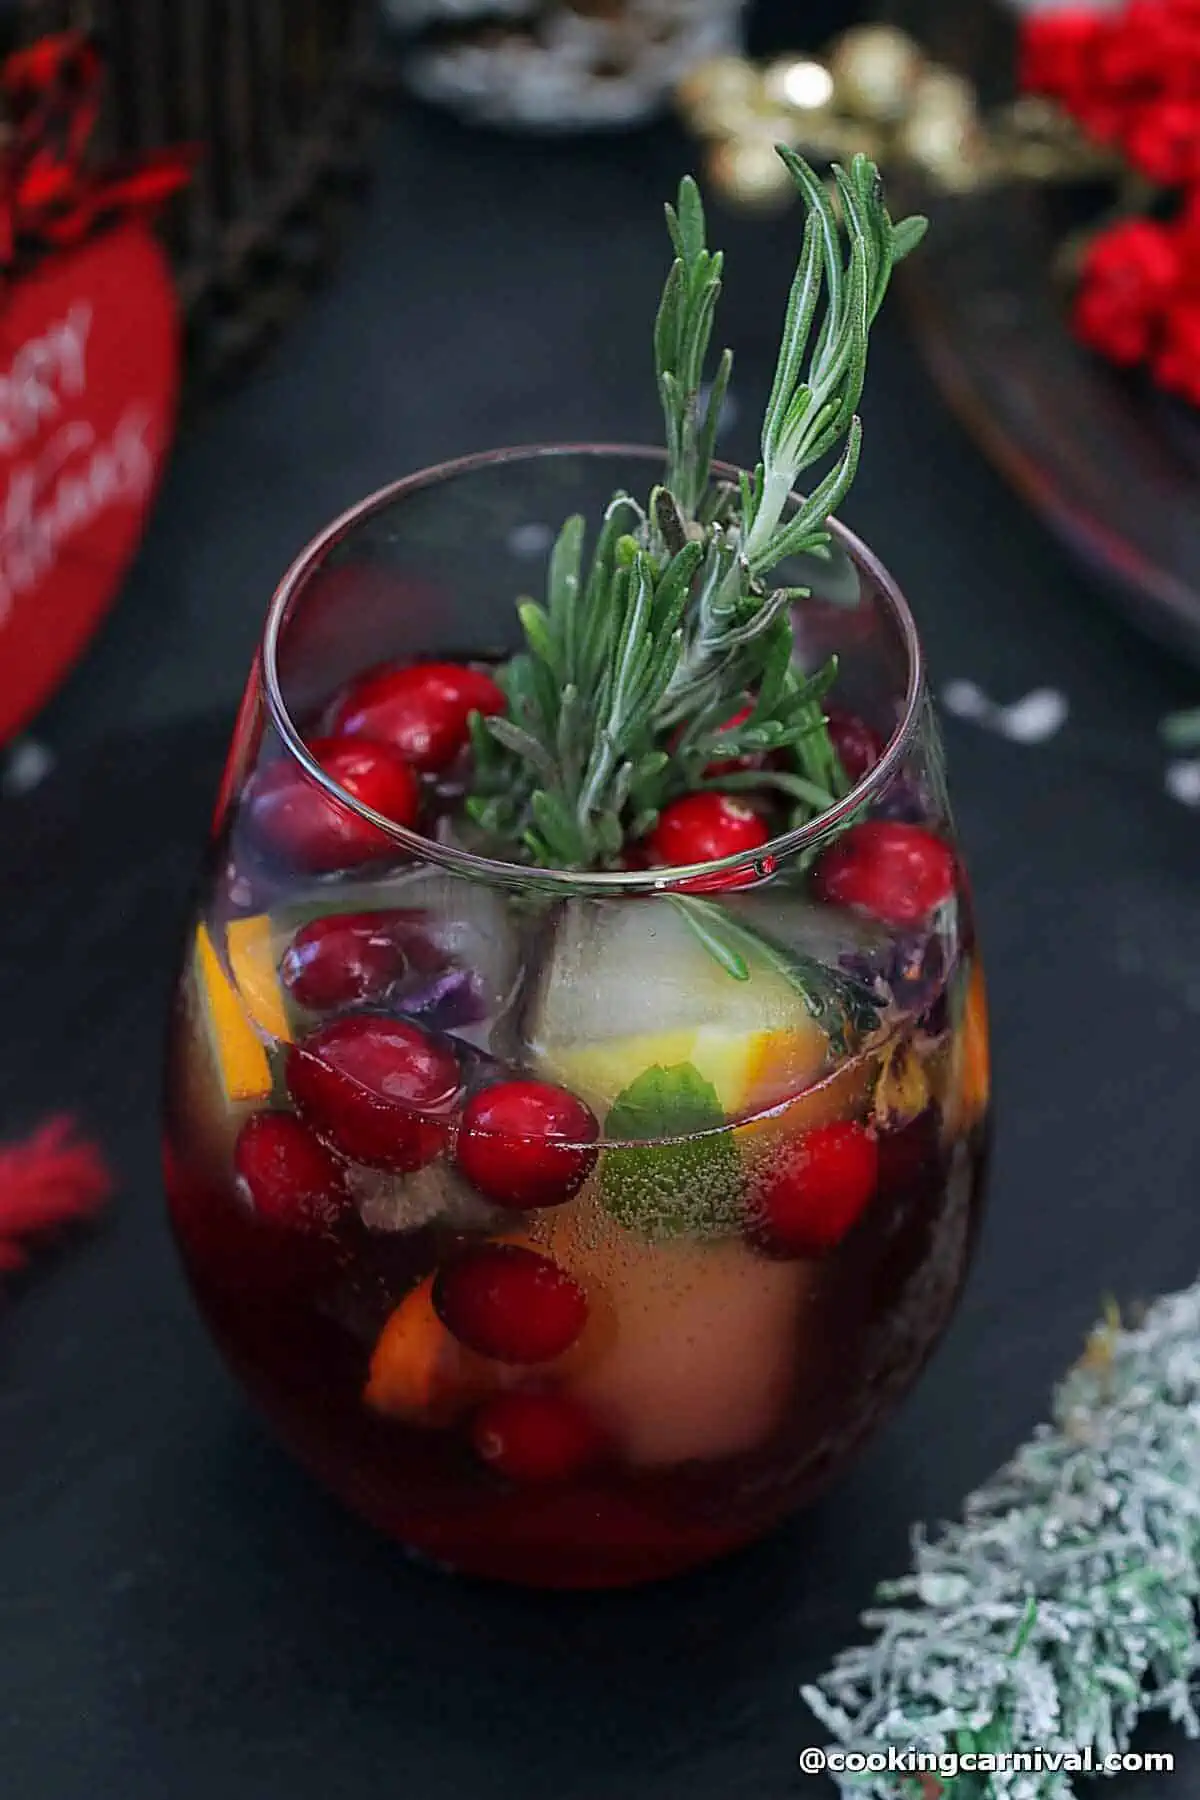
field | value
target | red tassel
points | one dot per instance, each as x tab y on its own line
52	1177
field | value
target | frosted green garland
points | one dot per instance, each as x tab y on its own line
1181	731
1063	1608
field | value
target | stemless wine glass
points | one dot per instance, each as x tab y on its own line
609	1353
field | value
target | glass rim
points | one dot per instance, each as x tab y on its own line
601	881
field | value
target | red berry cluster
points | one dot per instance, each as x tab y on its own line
515	1307
710	826
382	1093
402	725
1132	79
372	1090
1138	300
389	729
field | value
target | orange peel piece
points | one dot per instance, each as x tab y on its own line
976	1066
241	1056
420	1374
250	947
843	1094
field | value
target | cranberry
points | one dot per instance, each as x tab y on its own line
537	1437
302	823
421	709
813	1193
703	828
858	747
379	1089
525	1144
339	959
291	1177
895	872
728	765
511	1304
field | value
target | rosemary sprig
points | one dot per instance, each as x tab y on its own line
845	1008
813	404
682	333
1064	1607
634	664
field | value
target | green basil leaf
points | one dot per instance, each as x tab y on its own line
681	1173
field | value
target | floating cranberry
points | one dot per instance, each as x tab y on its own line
300	822
341	958
292	1178
421	709
379	1089
511	1304
815	1190
537	1437
895	872
526	1144
858	747
703	828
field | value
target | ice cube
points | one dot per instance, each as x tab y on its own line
629	985
406	1202
620	969
825	934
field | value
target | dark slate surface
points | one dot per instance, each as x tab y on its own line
181	1613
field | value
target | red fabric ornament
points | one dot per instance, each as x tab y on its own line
1125	287
89	376
89	365
52	1178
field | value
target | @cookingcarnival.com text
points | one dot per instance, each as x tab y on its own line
947	1765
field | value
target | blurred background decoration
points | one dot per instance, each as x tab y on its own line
272	91
556	65
173	174
876	90
1057	302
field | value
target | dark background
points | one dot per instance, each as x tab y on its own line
181	1614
